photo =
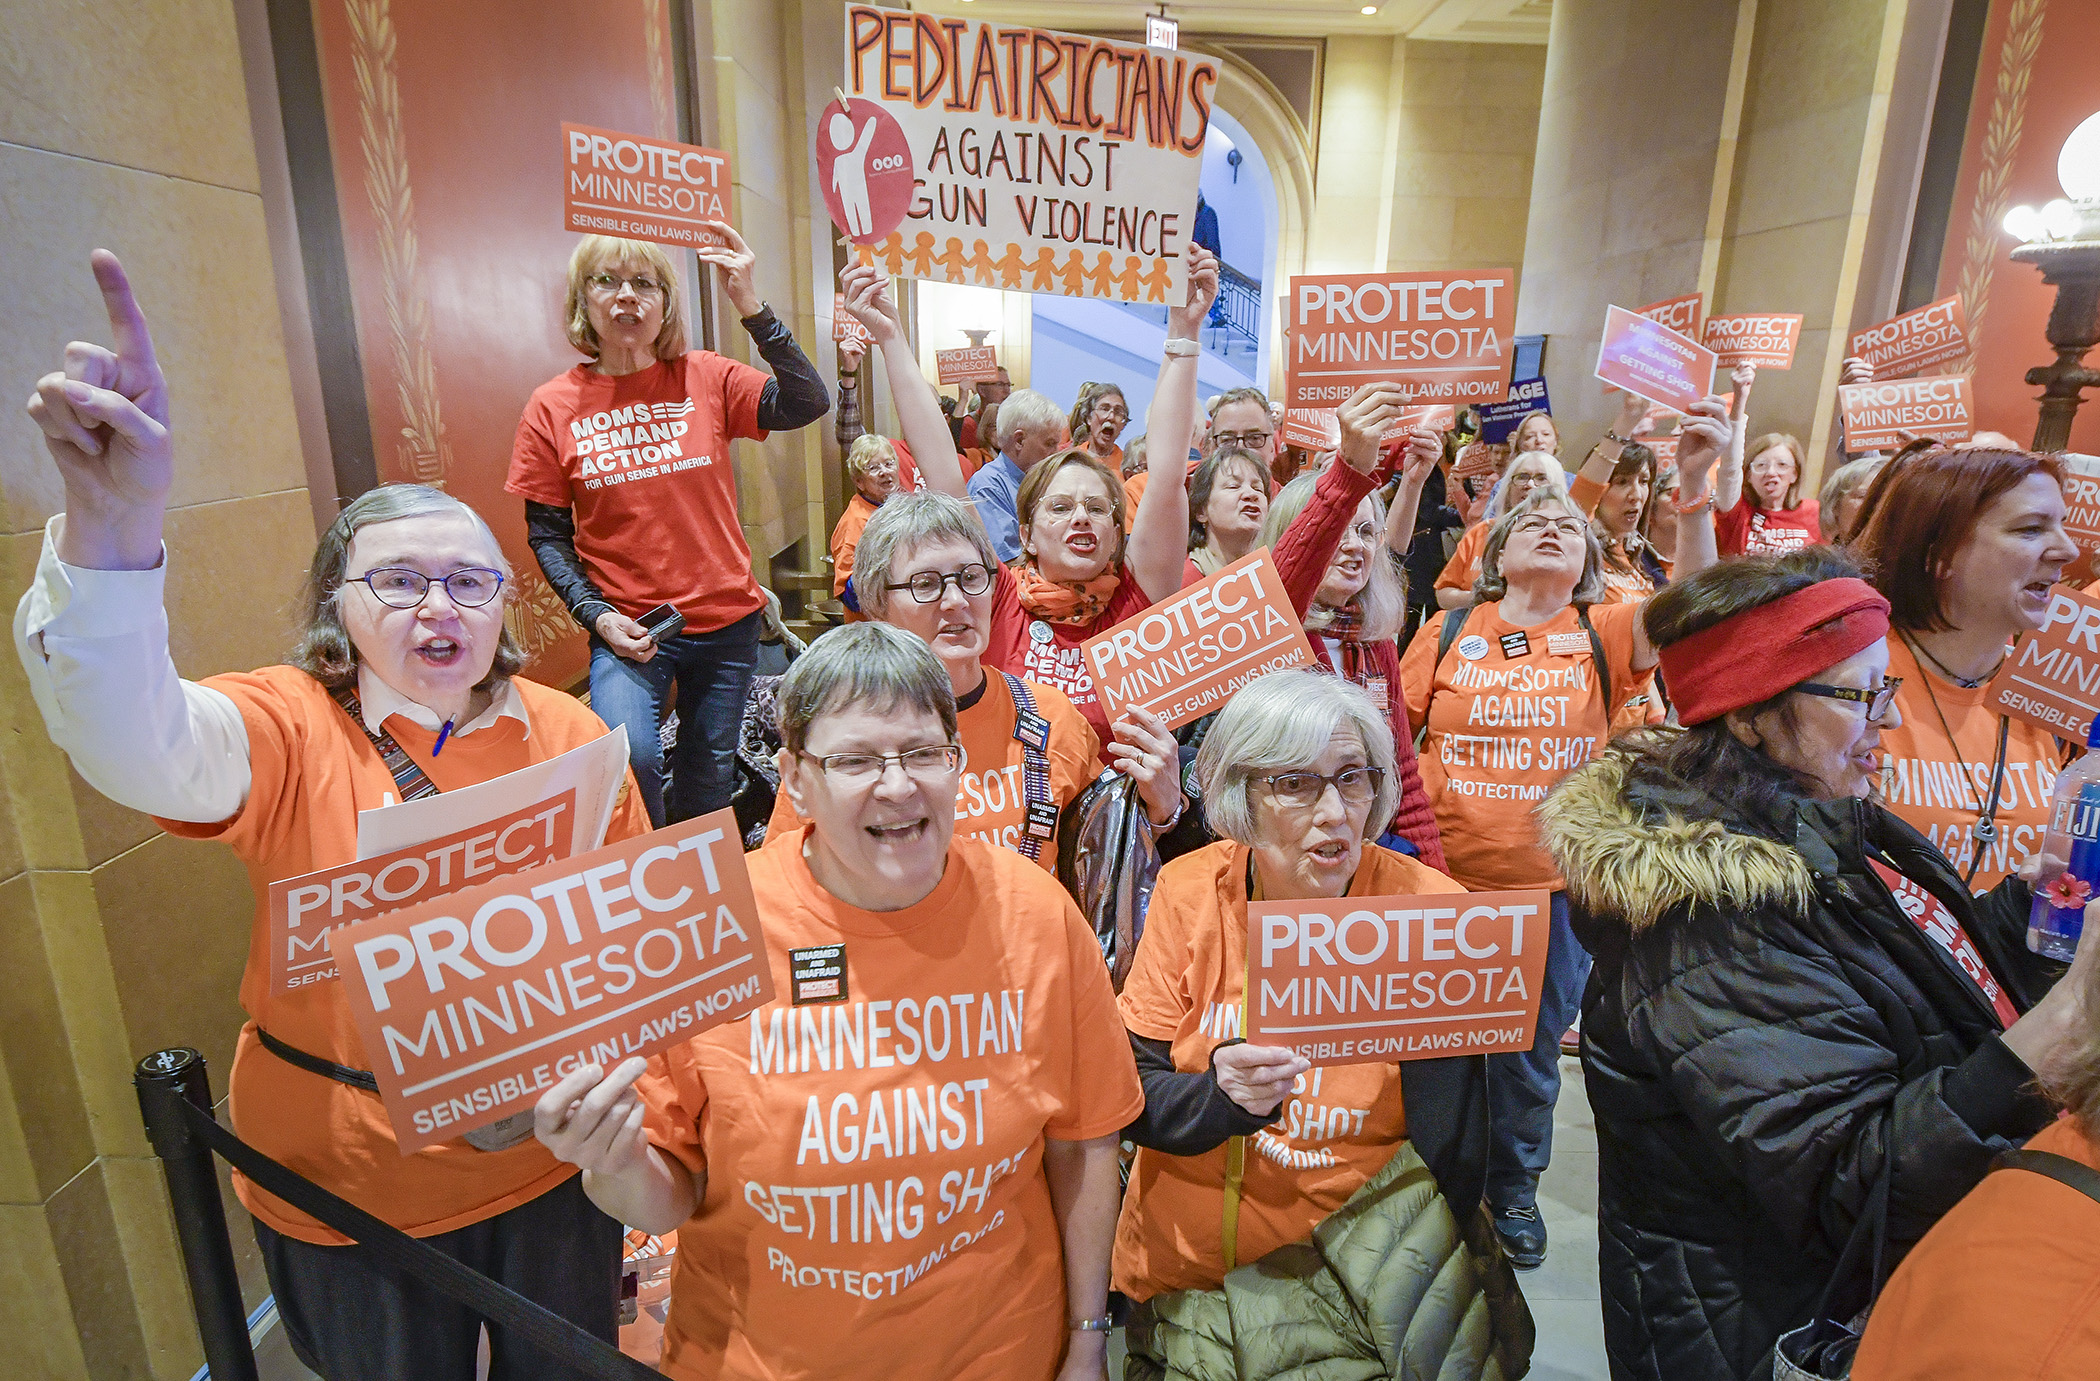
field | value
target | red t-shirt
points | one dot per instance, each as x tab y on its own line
643	459
1035	650
1748	528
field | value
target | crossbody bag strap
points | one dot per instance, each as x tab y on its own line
2062	1169
1032	731
409	779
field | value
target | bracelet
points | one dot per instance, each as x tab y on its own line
1610	435
1106	1323
1683	510
1179	348
1181	805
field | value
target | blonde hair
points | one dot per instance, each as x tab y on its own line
868	448
1382	602
592	254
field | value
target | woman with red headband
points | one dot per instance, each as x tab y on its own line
1510	695
1798	1010
1965	545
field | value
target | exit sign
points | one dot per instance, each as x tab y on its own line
1162	32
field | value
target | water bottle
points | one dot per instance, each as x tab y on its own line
2070	870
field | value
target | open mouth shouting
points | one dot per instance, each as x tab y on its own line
2034	595
1083	544
440	652
899	832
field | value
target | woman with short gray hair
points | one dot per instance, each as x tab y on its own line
885	930
1298	777
404	681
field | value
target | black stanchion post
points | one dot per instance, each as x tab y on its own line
165	1081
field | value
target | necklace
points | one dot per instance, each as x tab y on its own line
1964	682
1987	815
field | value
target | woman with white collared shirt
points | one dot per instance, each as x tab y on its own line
403	682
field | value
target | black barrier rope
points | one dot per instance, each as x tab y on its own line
174	1094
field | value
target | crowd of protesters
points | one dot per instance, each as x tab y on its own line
1787	837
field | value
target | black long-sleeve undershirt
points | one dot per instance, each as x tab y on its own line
1186	1113
794	397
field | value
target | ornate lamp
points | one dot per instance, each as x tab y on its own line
2062	240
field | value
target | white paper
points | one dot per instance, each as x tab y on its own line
596	770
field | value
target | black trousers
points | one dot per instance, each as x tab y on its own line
350	1320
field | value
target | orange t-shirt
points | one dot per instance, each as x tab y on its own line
1341	1125
991	801
875	1199
1510	712
1133	490
845	538
2006	1286
643	459
1940	791
314	769
1464	566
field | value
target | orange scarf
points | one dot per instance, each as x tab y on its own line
1065	601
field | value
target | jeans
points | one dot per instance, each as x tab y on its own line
350	1319
713	672
1524	1085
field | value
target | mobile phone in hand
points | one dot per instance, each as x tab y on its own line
664	621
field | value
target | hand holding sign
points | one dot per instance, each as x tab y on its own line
593	1119
1420	456
1257	1077
1362	420
1701	442
865	290
735	261
1143	750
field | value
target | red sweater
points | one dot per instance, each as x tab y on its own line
1301	556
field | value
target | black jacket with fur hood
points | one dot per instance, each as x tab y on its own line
1764	1032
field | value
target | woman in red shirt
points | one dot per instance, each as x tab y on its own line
630	501
1768	513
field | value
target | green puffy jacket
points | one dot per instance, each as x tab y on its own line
1387	1287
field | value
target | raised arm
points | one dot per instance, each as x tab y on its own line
1157	551
1604	456
1705	437
1728	484
867	290
1417	461
795	396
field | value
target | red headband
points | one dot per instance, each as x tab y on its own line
1761	652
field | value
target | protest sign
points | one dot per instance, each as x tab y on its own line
1680	314
305	908
844	325
1766	341
864	166
1933	335
1357	979
1665	449
473	1005
597	770
2082	514
1187	654
1318	429
967	365
641	188
2053	677
1443	334
1651	360
1047	162
1884	416
1499	420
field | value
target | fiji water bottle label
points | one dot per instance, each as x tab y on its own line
2066	894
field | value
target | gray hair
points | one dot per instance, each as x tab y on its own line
1555	472
1848	479
1224	400
867	665
1382	602
1025	408
324	650
903	524
868	448
1281	722
1493	585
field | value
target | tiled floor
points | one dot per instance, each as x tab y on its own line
1562	1293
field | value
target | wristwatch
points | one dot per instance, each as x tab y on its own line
1106	1323
1177	346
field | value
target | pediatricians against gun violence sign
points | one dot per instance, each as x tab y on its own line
1357	979
1444	335
1047	162
473	1005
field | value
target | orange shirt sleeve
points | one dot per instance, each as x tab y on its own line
1101	1094
1614	625
845	540
1133	490
276	743
535	459
674	1097
1418	667
1155	999
1458	571
1586	493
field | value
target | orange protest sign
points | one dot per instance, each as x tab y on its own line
1884	416
1933	335
1766	341
1680	314
967	365
1317	428
2082	512
1664	447
1653	361
2053	677
304	909
473	1005
844	325
1357	979
1186	654
641	188
1445	334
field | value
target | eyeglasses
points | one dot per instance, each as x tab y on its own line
1249	441
1100	510
398	587
1111	410
1876	700
1566	527
609	284
928	586
928	764
1355	785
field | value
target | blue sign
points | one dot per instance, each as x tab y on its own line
1498	420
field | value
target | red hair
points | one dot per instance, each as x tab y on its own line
1920	509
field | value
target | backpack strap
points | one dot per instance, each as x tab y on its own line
1033	733
1445	637
408	778
1582	616
2062	1169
